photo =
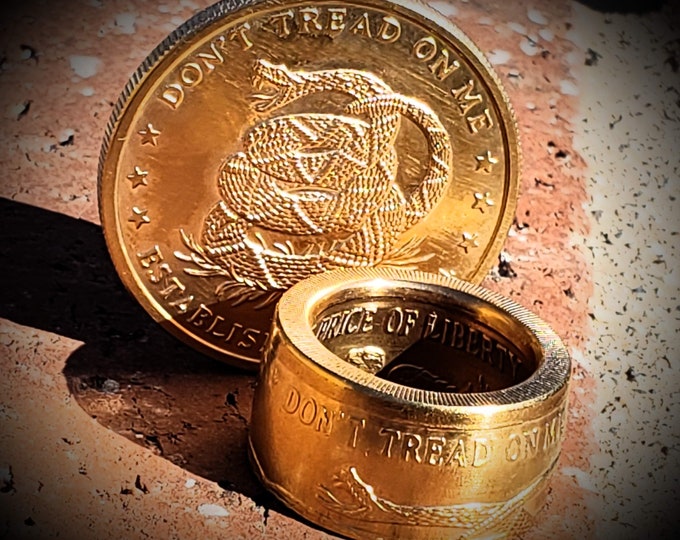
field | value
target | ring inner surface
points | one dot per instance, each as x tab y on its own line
448	347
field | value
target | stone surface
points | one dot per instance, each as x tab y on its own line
109	427
628	131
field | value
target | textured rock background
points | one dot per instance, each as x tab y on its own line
110	427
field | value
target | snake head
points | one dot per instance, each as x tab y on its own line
277	84
346	494
368	358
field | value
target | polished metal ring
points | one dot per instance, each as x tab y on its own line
399	404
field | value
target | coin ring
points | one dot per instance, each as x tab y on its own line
361	455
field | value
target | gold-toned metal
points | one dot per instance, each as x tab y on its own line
266	141
397	404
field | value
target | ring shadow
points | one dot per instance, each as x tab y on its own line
130	374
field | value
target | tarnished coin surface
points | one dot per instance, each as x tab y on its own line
263	142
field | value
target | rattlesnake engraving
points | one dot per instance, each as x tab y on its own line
326	179
350	495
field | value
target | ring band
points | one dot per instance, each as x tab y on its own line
403	404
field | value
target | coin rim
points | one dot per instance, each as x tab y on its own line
297	305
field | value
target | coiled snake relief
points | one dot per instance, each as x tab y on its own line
326	179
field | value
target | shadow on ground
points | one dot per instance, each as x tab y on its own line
131	375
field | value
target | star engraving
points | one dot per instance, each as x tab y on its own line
139	217
149	135
485	162
138	178
469	240
482	198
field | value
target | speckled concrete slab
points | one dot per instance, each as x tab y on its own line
110	427
628	131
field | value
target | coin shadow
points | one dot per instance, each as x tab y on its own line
130	374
